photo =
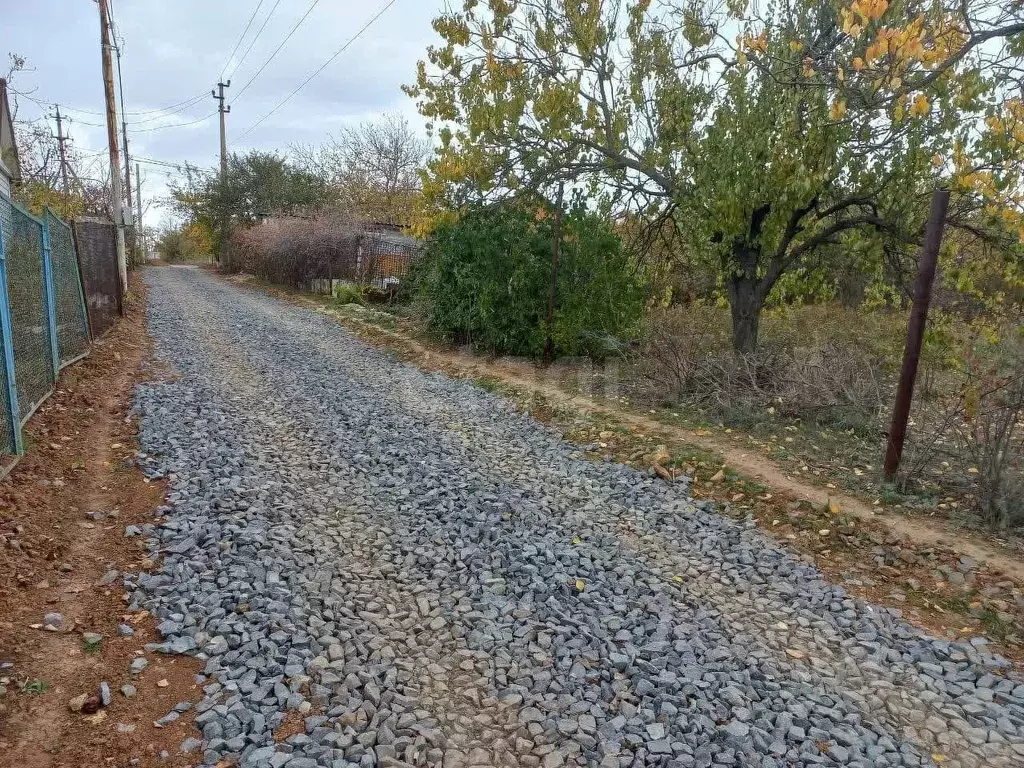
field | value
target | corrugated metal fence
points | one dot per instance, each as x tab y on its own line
43	320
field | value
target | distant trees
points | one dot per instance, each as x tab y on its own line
191	242
256	183
373	167
771	135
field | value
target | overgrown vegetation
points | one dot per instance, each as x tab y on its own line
191	243
486	279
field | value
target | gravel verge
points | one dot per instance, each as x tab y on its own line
426	577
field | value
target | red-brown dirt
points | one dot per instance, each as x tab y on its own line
79	450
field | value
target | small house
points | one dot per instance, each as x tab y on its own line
10	170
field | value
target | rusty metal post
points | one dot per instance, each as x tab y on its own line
915	331
549	344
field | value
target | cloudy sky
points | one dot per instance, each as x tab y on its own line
174	53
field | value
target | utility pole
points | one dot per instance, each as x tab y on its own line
116	202
219	96
915	331
138	207
61	139
124	135
549	343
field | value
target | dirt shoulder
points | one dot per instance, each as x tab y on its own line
945	579
63	513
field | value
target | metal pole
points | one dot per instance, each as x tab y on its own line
116	203
549	344
63	162
138	207
915	331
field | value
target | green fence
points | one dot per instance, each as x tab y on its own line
43	320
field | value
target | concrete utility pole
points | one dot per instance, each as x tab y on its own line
915	331
138	207
219	96
116	203
61	139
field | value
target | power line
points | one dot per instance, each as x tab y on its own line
169	110
241	38
174	125
257	37
323	66
291	32
186	105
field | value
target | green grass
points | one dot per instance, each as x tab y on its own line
34	687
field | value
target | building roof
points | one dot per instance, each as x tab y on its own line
9	163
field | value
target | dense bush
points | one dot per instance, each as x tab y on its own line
183	245
486	279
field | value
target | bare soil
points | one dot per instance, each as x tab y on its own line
80	447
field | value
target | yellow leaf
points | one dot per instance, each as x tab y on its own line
938	757
577	540
838	110
795	46
833	506
677	579
580	585
718	477
921	106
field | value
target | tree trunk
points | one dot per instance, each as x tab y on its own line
746	299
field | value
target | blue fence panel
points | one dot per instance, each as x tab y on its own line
70	315
10	431
43	319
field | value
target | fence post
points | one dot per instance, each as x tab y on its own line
51	304
915	331
7	335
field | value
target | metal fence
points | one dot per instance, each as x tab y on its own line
96	243
43	323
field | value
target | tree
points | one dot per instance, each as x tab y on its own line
374	167
256	184
767	138
88	192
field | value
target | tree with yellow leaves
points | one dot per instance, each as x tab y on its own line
769	134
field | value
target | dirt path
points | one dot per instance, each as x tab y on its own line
65	508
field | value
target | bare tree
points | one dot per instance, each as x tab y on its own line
375	166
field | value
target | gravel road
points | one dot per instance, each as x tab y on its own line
419	575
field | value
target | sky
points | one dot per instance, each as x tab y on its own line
173	52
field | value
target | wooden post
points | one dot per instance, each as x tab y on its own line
549	344
915	331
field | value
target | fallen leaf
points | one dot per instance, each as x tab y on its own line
795	654
580	585
677	579
833	506
718	477
663	473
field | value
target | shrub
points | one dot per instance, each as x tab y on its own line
486	279
823	372
181	245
